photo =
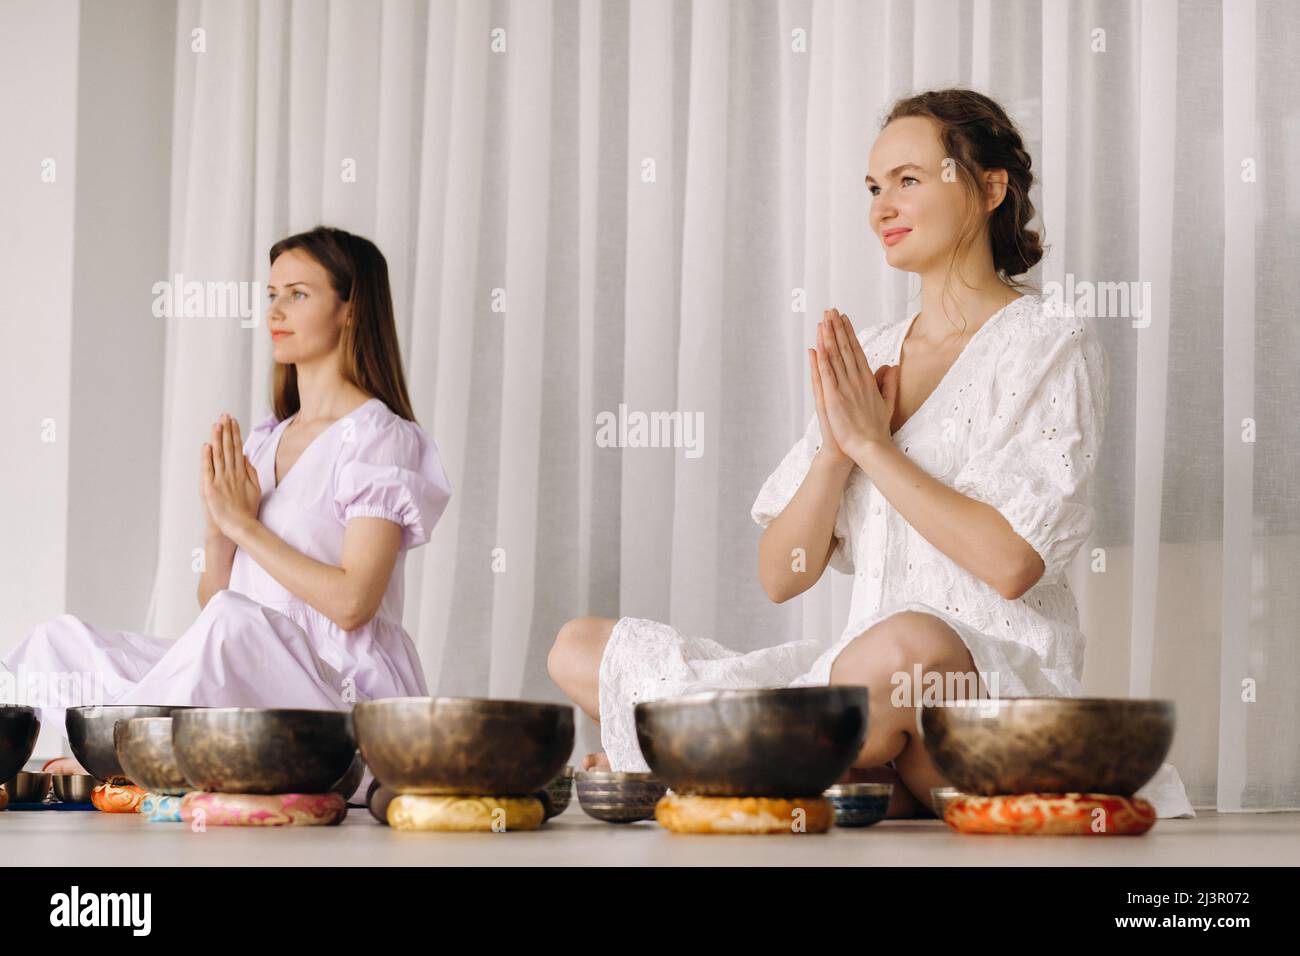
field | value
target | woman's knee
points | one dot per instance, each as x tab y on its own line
578	648
898	644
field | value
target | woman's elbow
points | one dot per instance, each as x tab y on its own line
355	615
1025	575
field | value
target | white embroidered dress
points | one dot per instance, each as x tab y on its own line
1016	422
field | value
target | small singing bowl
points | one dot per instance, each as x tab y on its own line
263	751
91	728
940	797
28	787
378	797
783	742
1011	745
74	787
19	727
557	794
144	749
859	804
464	745
619	797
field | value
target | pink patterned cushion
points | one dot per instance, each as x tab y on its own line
263	810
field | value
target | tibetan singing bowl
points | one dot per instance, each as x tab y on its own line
90	733
1016	745
785	742
144	749
257	750
347	784
464	745
74	787
18	729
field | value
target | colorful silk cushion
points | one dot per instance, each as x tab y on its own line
1051	814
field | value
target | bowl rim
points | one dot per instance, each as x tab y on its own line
865	788
80	707
617	776
462	701
974	703
745	693
15	709
276	711
140	722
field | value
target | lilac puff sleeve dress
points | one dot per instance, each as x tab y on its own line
255	644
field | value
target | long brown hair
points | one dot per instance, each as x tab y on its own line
978	136
372	358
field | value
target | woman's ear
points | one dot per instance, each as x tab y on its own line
995	188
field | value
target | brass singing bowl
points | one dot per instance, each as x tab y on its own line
1015	745
28	787
783	742
90	733
19	727
74	787
464	745
261	750
144	750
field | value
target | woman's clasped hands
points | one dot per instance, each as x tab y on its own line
230	486
855	405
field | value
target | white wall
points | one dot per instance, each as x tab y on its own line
88	86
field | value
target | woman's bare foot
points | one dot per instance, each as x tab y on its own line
596	761
63	765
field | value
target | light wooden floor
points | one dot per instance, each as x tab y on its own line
75	838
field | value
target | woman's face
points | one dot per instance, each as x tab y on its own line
916	212
303	312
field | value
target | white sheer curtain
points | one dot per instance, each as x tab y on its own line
592	204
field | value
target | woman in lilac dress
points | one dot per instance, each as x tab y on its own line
308	522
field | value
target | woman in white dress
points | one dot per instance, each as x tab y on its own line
955	491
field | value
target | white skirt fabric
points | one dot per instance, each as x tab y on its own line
647	660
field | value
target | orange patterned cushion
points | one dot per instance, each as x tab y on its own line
1052	814
118	795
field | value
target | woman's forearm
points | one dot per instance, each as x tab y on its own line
325	587
975	535
795	548
218	557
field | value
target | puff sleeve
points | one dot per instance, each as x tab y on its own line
781	485
1045	422
392	470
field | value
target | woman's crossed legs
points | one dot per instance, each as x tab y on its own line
892	646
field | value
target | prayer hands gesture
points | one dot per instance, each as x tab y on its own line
854	404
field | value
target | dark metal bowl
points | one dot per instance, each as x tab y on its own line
784	742
28	787
257	750
347	784
90	733
859	804
464	745
1015	745
618	797
74	787
557	794
377	800
18	729
144	750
